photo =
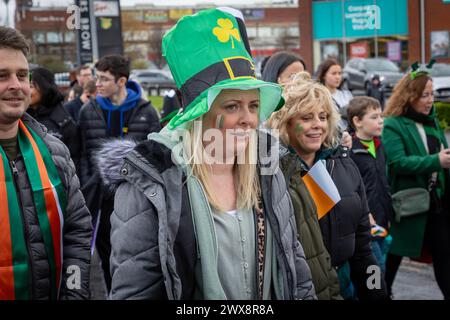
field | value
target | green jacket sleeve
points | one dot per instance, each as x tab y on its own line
394	141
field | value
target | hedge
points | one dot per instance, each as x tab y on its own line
443	114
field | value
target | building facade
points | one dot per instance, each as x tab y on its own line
315	29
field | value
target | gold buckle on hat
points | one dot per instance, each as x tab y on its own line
226	61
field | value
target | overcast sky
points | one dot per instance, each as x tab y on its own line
171	2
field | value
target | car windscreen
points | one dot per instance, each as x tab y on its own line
380	65
440	70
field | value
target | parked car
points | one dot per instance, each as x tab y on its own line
358	73
441	81
152	78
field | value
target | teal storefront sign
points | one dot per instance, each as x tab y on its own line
359	18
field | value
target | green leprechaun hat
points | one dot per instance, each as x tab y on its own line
206	53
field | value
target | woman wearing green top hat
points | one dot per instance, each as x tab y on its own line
199	212
418	156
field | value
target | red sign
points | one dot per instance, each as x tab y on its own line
359	50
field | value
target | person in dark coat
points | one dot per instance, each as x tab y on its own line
74	106
171	106
46	106
364	115
376	90
310	131
118	111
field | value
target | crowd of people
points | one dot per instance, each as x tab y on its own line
285	188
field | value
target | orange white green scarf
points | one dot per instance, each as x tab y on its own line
50	203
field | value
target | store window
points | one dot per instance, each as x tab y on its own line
69	37
54	37
38	37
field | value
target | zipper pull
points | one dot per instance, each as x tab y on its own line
14	168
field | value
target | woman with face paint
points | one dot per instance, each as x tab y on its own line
308	131
418	156
197	214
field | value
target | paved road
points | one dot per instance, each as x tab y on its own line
415	281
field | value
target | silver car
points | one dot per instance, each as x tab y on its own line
358	73
441	81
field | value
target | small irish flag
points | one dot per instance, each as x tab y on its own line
321	188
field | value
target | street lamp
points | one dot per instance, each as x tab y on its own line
422	30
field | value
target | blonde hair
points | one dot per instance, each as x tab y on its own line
304	95
246	173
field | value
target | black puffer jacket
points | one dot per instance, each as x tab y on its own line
60	124
142	120
77	230
323	274
346	228
373	172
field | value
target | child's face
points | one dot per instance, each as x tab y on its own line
371	123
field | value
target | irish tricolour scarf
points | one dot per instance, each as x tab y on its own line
50	203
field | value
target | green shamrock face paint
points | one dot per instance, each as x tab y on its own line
219	121
298	128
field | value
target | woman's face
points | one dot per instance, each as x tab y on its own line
425	101
234	113
288	74
333	77
308	131
35	94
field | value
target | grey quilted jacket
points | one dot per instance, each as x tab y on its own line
77	228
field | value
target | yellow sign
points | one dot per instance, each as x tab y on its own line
176	14
105	23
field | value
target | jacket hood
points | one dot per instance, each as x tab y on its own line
109	159
110	156
134	93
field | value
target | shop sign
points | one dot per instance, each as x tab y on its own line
440	44
48	19
106	8
394	50
359	18
84	42
151	16
359	50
